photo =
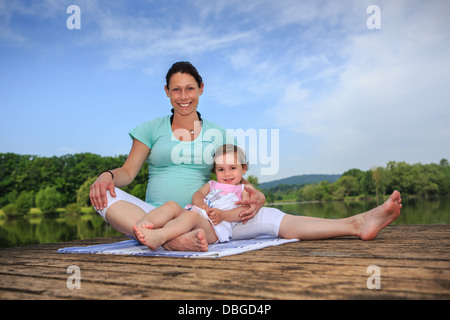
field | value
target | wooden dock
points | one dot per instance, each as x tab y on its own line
413	263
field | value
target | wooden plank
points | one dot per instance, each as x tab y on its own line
414	262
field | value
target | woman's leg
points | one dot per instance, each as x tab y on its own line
273	222
364	225
124	211
186	222
123	215
265	223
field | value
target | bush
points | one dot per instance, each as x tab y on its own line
11	210
48	200
139	191
83	192
25	202
73	208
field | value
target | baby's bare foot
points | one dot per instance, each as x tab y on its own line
138	234
144	223
147	236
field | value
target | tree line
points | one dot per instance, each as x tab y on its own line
28	181
416	179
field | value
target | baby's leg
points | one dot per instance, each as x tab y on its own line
186	222
157	218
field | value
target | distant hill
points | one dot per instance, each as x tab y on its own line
302	179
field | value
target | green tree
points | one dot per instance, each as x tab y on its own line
367	183
11	210
380	179
348	185
401	177
48	200
139	191
72	208
253	180
312	192
83	192
270	197
25	201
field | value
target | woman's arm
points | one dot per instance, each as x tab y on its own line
123	176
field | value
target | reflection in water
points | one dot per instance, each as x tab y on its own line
61	228
51	229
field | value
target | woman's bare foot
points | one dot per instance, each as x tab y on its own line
191	241
372	221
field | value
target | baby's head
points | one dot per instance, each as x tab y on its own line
230	164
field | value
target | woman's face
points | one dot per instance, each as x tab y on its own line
184	93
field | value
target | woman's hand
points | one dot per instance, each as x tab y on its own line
122	176
98	190
255	202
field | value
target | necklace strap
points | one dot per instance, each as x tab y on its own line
173	111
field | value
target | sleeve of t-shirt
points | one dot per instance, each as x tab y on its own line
146	132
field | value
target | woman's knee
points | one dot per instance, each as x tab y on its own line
110	201
126	197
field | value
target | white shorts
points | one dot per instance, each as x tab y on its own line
123	196
265	223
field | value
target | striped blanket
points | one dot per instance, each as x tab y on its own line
133	247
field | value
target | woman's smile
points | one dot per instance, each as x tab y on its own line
185	105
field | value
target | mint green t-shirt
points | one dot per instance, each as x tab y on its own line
178	169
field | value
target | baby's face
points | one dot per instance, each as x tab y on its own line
228	170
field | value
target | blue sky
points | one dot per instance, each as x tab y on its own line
341	95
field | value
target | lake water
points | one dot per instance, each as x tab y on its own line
35	229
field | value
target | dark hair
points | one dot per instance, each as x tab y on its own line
183	67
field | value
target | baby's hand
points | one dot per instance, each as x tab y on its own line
216	215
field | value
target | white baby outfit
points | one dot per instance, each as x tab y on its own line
222	196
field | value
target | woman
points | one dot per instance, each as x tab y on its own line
175	172
179	150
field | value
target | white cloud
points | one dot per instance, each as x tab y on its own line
390	100
164	31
